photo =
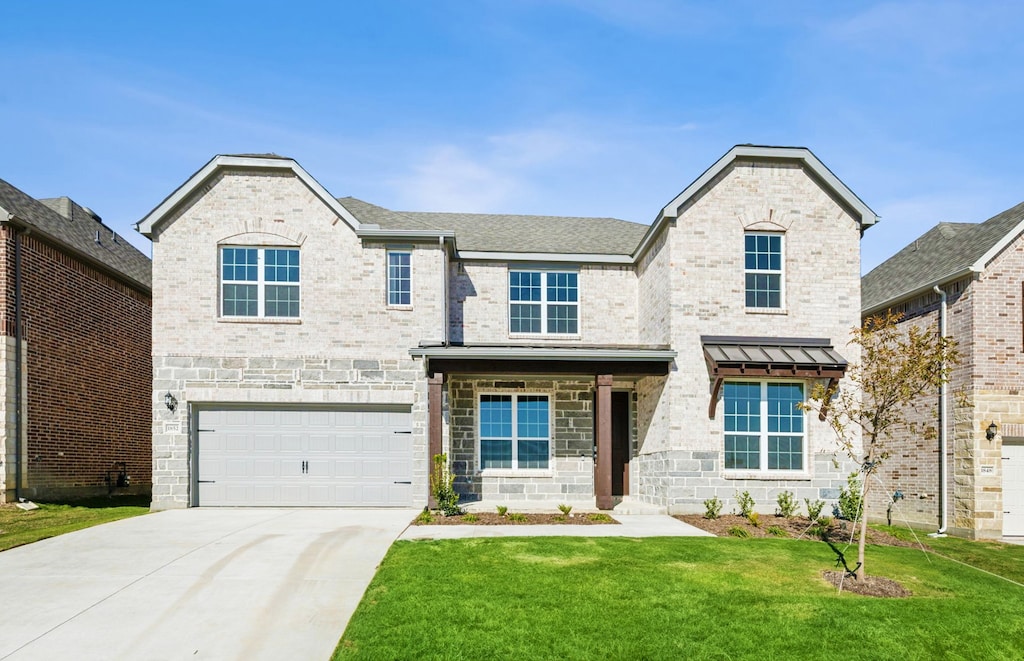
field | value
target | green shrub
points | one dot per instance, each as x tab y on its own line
565	509
470	518
814	508
424	517
745	502
502	510
755	519
517	517
739	531
442	486
599	517
850	499
776	531
712	508
787	504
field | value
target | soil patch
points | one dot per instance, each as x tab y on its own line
520	519
796	527
869	586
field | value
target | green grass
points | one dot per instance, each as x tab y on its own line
672	598
19	527
1007	560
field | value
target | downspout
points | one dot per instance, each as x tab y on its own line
943	416
444	292
17	366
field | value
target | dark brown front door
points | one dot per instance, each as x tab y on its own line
620	444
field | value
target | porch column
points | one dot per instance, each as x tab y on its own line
603	468
434	444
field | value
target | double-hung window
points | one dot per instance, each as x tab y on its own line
543	302
399	277
259	282
764	426
515	432
762	258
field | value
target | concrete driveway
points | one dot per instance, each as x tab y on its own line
194	584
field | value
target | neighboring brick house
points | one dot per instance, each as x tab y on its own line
82	296
979	270
318	351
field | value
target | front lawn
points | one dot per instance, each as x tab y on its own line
18	526
672	598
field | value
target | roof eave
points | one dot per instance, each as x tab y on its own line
999	246
154	218
917	291
413	235
577	258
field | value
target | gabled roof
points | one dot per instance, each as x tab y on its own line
946	252
509	233
65	223
862	213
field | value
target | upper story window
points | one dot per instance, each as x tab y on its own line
764	427
259	282
763	270
399	277
515	432
542	301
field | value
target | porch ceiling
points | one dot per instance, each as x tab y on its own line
550	360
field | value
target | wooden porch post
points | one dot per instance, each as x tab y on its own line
434	444
603	468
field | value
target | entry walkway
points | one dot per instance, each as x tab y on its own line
631	525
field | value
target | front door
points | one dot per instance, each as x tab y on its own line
621	449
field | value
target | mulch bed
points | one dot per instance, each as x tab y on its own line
535	519
799	527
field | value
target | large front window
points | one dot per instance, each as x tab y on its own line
515	432
543	302
763	270
764	427
259	282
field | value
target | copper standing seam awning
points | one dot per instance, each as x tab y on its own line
780	357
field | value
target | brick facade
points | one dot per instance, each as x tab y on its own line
86	351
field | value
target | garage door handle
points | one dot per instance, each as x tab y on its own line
207	481
406	482
403	432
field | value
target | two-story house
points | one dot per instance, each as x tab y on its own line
961	466
313	350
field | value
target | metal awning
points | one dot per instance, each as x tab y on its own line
545	359
755	357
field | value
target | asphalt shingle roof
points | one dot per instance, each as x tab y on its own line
77	231
941	252
512	233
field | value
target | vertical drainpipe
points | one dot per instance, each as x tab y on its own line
941	532
444	292
18	464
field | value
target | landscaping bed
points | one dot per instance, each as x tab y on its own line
516	519
794	527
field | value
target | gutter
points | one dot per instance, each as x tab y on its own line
924	289
943	415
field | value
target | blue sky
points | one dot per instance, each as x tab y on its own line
571	107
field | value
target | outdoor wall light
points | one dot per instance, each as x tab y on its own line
990	433
170	401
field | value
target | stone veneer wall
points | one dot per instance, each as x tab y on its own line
348	348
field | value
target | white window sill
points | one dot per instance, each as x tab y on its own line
259	320
773	476
507	472
400	307
543	336
766	311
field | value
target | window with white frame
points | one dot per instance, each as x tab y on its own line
763	269
399	277
515	432
543	302
259	282
764	426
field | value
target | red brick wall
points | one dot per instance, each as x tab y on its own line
89	372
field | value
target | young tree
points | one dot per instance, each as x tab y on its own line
898	363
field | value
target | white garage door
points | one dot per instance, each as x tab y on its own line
291	457
1013	486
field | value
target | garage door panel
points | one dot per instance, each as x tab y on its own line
297	457
1013	487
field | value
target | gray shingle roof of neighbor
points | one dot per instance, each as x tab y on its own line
65	222
512	233
946	251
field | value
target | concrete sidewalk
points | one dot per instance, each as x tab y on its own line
631	525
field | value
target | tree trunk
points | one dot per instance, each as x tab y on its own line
863	525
